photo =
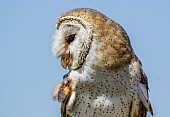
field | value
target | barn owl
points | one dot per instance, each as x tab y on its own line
105	76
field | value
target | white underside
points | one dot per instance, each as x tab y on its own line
101	94
98	92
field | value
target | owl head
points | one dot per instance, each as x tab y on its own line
85	35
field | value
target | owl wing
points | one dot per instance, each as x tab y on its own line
143	103
143	92
62	92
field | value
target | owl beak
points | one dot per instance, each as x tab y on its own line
66	60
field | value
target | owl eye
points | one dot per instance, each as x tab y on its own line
70	38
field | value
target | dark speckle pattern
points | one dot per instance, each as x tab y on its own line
106	97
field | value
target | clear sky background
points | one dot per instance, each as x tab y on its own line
28	70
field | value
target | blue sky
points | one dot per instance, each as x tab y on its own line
28	70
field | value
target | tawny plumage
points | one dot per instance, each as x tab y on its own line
105	76
62	93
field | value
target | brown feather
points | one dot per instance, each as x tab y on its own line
140	112
64	95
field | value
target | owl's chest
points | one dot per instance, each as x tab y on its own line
106	94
